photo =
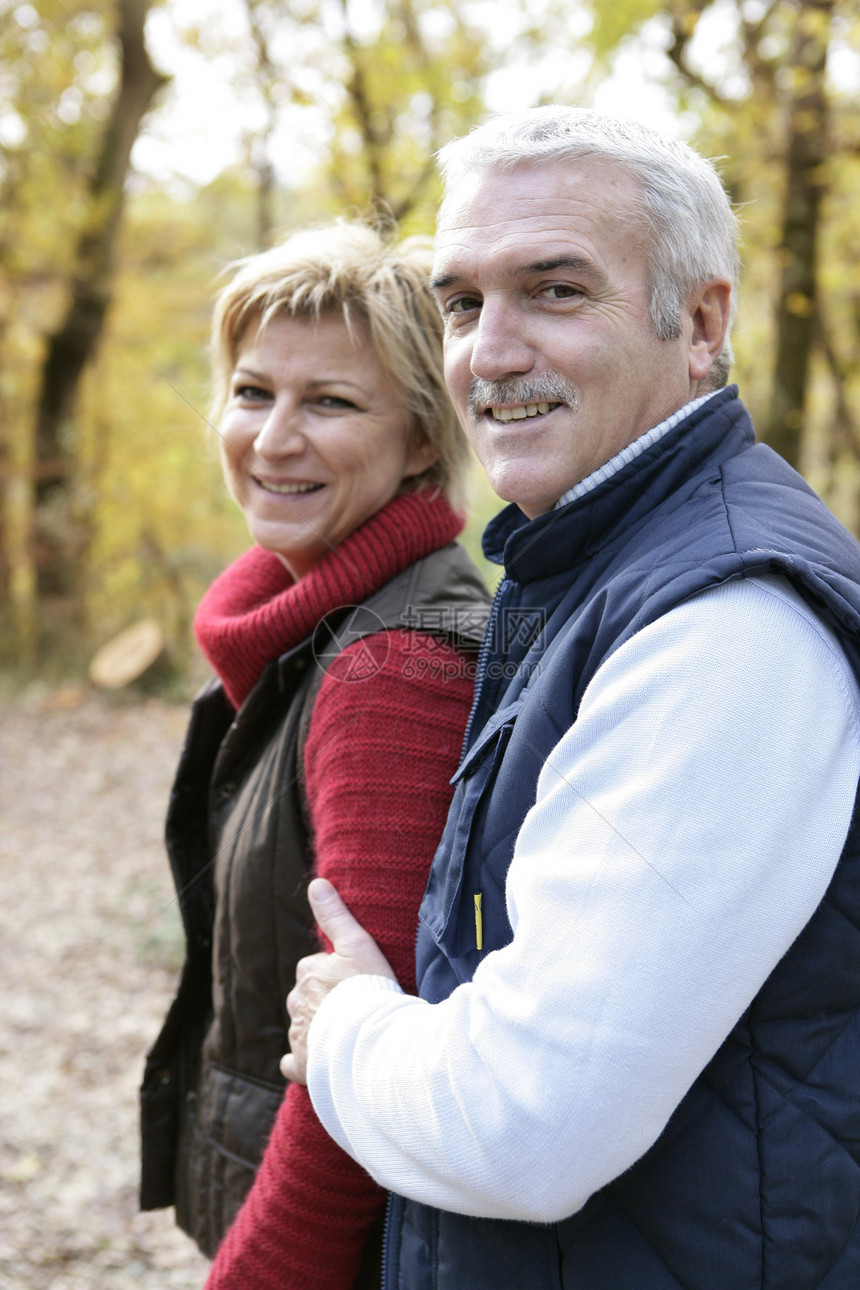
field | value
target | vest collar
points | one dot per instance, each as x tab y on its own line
534	549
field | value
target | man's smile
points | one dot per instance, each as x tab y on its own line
520	413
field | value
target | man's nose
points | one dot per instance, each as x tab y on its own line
281	432
500	348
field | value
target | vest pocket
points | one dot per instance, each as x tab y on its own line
227	1128
243	1110
458	922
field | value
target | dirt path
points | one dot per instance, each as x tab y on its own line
89	951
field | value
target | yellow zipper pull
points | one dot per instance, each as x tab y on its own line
479	922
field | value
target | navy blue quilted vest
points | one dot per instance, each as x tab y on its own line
755	1182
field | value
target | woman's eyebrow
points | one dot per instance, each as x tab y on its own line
318	382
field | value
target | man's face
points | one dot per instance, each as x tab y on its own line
550	352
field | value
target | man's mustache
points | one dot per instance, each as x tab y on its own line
548	387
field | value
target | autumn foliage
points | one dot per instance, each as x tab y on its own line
111	502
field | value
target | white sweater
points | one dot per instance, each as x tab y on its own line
685	829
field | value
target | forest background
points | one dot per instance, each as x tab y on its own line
116	217
144	145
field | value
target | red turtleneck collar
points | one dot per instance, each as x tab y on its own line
254	611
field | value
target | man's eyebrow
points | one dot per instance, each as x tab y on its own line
578	262
557	262
445	280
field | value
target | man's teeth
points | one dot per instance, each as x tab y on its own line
519	414
286	489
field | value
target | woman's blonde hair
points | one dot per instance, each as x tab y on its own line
374	283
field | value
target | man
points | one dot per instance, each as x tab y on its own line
634	1059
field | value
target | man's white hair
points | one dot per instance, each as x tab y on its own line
693	231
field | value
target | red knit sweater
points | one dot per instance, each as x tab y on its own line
379	757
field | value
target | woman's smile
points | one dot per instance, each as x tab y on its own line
316	438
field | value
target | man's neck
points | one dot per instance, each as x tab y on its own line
631	452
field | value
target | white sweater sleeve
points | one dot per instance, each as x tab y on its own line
685	829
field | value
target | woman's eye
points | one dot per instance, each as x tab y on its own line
334	401
251	393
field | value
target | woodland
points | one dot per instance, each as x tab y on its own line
111	502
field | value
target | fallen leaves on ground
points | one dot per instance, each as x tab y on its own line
90	947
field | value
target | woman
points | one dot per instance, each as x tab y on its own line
343	644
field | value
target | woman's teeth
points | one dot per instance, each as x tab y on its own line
287	489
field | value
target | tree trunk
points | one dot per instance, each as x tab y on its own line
268	78
74	342
806	159
17	495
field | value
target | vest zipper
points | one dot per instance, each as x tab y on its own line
388	1282
481	665
386	1236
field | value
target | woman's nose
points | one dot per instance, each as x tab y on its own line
280	434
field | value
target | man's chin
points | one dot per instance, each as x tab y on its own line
531	505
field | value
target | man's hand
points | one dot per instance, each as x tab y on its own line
355	954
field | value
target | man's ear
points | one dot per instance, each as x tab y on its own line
708	307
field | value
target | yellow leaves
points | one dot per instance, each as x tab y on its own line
815	21
688	21
800	81
411	82
799	304
160	518
25	1168
613	21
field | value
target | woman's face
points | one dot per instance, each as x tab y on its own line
314	437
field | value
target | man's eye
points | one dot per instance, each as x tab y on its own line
463	305
562	291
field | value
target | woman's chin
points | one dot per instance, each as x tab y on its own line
298	552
